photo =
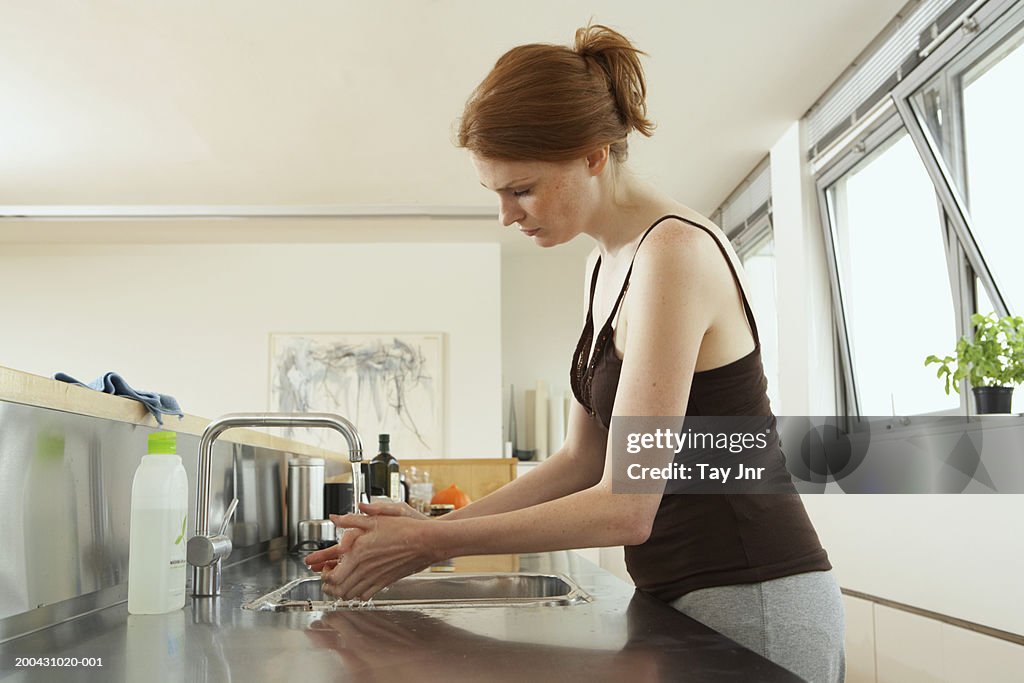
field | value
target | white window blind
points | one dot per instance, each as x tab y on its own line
749	202
883	62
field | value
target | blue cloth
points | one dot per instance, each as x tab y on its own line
113	383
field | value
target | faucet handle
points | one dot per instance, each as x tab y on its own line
204	551
228	514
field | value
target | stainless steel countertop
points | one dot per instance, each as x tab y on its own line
621	635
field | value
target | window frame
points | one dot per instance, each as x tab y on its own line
992	25
872	143
983	33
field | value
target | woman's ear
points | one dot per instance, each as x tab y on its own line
598	159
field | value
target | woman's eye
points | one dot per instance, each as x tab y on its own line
520	193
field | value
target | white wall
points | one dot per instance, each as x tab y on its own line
542	317
194	320
806	356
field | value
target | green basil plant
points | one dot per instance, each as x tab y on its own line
995	357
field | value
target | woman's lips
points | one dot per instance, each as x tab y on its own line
529	233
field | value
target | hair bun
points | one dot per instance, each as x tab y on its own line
544	102
620	61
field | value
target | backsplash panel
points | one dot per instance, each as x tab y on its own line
65	501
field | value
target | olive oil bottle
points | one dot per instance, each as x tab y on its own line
385	478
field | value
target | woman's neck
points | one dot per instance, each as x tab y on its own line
629	207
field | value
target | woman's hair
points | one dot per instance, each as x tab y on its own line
552	103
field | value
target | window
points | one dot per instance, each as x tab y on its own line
993	149
970	109
918	194
893	279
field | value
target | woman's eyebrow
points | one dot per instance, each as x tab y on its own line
507	187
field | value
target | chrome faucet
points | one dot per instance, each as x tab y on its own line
205	551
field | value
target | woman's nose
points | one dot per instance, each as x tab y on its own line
510	212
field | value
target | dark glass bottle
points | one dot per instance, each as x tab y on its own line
384	472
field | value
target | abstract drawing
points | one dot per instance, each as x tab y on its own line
383	383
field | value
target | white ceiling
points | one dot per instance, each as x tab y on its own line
338	102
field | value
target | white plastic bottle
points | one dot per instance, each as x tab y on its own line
159	523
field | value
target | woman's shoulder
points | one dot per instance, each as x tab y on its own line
679	246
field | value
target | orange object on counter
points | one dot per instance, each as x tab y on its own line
452	495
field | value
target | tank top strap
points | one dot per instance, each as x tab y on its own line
732	269
593	287
625	284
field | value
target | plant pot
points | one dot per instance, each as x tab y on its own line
993	400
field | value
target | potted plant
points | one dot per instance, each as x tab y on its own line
993	361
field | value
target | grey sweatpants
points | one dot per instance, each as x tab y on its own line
796	621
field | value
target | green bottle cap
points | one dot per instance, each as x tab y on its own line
162	443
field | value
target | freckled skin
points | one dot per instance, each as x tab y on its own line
555	200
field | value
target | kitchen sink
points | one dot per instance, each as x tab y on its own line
424	591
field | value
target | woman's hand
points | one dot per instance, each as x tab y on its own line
328	557
391	509
376	551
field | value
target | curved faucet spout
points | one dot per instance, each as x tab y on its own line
205	550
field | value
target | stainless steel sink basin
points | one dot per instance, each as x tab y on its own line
422	591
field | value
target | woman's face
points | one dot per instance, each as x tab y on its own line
549	202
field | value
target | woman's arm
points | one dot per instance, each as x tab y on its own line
577	465
572	468
671	310
669	317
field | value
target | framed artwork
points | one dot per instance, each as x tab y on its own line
387	383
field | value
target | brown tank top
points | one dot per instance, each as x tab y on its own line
703	540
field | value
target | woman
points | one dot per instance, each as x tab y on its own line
547	132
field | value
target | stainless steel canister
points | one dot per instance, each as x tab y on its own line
305	493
